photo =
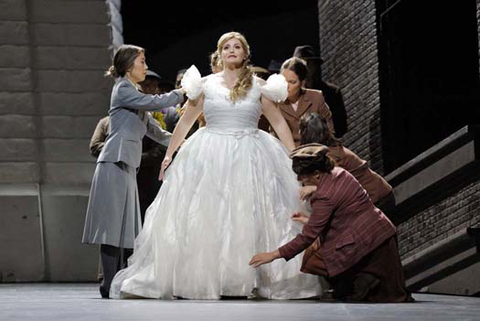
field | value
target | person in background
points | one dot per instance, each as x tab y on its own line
261	72
166	86
152	152
154	84
274	66
331	92
357	251
97	141
215	63
314	129
172	114
179	77
301	101
168	116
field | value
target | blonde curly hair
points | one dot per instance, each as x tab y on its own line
245	77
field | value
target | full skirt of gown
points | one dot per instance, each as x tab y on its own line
226	196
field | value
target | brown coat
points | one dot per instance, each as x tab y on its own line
99	136
345	219
310	101
375	185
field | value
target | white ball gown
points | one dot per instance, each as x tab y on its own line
228	194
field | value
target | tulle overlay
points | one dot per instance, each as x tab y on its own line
228	194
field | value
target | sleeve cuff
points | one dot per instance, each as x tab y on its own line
283	253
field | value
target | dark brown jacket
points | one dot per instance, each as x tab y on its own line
345	219
375	185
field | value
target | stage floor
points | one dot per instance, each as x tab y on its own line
74	301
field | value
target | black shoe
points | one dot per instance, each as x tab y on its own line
328	296
104	292
362	284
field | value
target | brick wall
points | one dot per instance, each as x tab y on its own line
441	220
459	211
348	44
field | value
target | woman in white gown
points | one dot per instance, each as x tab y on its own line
229	193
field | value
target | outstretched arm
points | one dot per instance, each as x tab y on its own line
275	117
264	258
127	96
322	209
193	110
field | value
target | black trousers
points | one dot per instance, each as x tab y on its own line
113	260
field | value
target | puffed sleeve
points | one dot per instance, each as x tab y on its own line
192	83
276	88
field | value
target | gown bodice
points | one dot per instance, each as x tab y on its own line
221	113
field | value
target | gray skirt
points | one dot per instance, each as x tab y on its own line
113	212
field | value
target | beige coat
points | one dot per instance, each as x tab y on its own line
310	101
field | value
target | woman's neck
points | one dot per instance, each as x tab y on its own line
231	72
230	75
294	98
132	81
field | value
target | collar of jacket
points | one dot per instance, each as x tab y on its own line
304	103
125	78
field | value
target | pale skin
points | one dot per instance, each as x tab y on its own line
138	71
232	55
306	191
260	259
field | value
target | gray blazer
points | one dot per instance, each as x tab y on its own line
130	121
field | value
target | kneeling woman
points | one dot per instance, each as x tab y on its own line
357	252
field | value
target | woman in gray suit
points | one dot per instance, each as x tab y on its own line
113	213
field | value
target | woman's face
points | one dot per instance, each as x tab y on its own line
233	53
294	84
139	69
